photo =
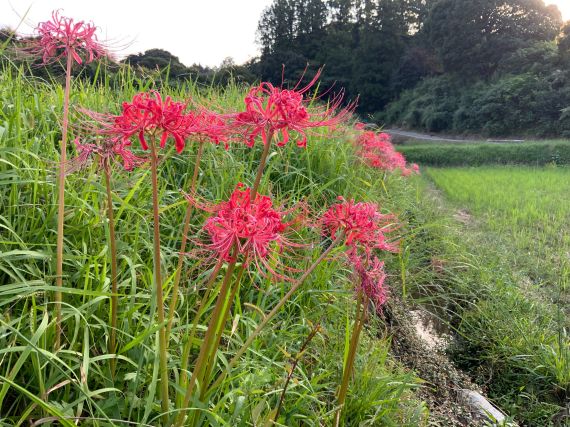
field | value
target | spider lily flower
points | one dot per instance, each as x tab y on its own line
209	126
149	113
273	110
247	229
377	150
108	151
365	228
371	280
62	36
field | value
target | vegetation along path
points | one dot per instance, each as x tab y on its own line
495	270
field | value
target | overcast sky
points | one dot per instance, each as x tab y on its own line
197	31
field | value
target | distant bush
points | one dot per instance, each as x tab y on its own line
487	154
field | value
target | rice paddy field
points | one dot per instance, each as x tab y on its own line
526	208
500	267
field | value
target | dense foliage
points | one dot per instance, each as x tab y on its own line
478	66
361	43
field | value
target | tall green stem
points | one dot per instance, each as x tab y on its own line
181	254
114	270
267	318
207	345
361	308
219	332
296	361
61	203
189	342
158	284
262	161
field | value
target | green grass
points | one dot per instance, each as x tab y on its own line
490	258
531	153
37	383
526	207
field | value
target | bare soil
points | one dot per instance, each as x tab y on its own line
420	347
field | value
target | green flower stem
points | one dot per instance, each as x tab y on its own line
181	254
114	270
190	341
158	285
61	204
262	161
361	310
219	333
267	318
296	361
207	344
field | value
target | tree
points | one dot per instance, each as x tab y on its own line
471	36
153	59
564	42
276	27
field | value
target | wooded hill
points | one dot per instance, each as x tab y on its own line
496	67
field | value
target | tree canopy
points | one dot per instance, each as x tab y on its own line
463	52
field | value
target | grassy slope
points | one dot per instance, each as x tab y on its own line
76	380
530	153
474	271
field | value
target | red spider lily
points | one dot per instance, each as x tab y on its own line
247	228
371	280
148	113
62	36
113	150
207	125
271	110
377	151
364	226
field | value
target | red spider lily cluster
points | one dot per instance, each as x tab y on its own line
150	114
246	229
210	126
365	229
377	150
109	150
372	279
62	37
271	110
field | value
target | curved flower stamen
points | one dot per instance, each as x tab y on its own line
62	36
274	110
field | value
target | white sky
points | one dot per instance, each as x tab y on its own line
197	31
563	5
